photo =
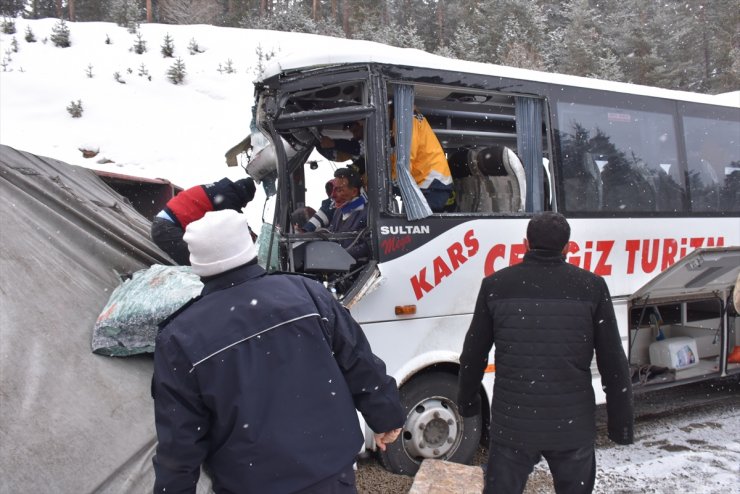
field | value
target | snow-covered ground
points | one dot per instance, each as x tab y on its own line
152	128
146	128
692	451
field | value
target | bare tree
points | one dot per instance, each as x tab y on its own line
345	18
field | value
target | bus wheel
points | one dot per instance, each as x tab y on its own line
433	428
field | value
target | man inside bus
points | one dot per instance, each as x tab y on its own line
428	163
546	317
320	219
347	149
344	149
350	214
262	392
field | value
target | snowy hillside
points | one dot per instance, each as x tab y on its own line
147	128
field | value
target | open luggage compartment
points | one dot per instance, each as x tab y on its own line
683	324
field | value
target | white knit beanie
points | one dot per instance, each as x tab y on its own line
218	242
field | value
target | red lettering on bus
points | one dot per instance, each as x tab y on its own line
573	249
650	256
718	242
420	284
631	246
496	252
393	244
670	249
696	243
471	243
443	268
516	253
455	254
604	247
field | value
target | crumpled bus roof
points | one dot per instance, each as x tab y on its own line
72	421
361	51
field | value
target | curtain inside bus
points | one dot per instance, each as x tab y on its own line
529	148
414	203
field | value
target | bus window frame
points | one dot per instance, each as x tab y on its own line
476	89
711	112
606	99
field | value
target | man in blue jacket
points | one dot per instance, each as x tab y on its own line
259	378
351	212
546	318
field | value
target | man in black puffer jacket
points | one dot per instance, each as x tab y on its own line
546	317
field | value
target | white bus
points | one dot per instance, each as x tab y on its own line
645	177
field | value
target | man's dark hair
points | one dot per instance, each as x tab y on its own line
548	231
353	178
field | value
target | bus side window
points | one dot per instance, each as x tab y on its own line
618	160
713	164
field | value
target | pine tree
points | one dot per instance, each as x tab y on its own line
444	51
143	72
91	10
168	47
60	34
11	8
608	68
263	56
634	30
176	73
193	47
75	108
126	13
465	44
42	8
29	37
139	45
7	26
577	47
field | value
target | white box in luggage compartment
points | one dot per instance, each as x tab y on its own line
674	353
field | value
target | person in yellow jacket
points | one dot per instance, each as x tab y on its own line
429	166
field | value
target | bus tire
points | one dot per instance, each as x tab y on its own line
434	428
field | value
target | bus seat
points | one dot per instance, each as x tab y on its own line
464	183
504	181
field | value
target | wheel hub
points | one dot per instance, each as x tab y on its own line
432	429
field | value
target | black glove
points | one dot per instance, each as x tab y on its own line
246	189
